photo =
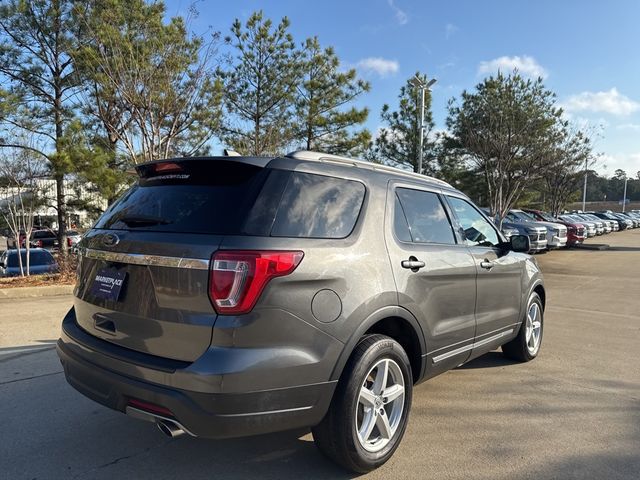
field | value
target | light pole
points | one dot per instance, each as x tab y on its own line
624	195
584	191
422	86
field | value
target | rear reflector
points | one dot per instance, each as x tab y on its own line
150	407
237	278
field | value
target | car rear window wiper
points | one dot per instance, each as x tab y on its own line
142	220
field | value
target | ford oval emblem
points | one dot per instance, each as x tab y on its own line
110	240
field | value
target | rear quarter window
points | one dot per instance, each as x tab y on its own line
317	206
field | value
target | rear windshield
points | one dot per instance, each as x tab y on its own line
204	197
233	198
43	234
35	258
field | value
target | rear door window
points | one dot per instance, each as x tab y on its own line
425	217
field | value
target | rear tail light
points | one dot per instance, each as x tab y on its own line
237	278
68	242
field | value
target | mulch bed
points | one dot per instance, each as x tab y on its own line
38	280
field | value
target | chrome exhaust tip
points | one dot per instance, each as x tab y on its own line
169	428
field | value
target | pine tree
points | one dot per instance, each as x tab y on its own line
36	46
324	120
260	85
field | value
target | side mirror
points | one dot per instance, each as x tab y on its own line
520	243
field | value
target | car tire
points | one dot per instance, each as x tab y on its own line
363	427
526	346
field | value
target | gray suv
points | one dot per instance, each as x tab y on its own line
231	296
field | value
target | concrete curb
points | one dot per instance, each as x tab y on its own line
32	292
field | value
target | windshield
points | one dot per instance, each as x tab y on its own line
522	216
547	217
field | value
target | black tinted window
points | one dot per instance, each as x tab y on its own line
477	229
35	258
426	217
43	234
204	196
316	206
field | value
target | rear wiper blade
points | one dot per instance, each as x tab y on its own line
142	220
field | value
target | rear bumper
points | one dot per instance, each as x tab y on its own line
205	414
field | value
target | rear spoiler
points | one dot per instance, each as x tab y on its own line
177	165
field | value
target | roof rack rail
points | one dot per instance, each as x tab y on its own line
326	157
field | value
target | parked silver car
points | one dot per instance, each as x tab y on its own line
598	223
537	234
608	224
556	232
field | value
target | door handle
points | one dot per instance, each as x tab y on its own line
486	264
413	264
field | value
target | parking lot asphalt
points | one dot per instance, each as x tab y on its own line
574	412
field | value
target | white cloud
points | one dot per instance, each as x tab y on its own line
379	65
401	17
525	65
628	126
449	30
611	101
609	163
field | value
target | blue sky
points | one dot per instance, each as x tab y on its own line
585	51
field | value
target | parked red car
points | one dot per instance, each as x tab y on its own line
575	231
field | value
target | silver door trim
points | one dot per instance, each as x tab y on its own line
471	346
148	260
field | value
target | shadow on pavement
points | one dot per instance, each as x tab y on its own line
58	433
488	360
11	353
